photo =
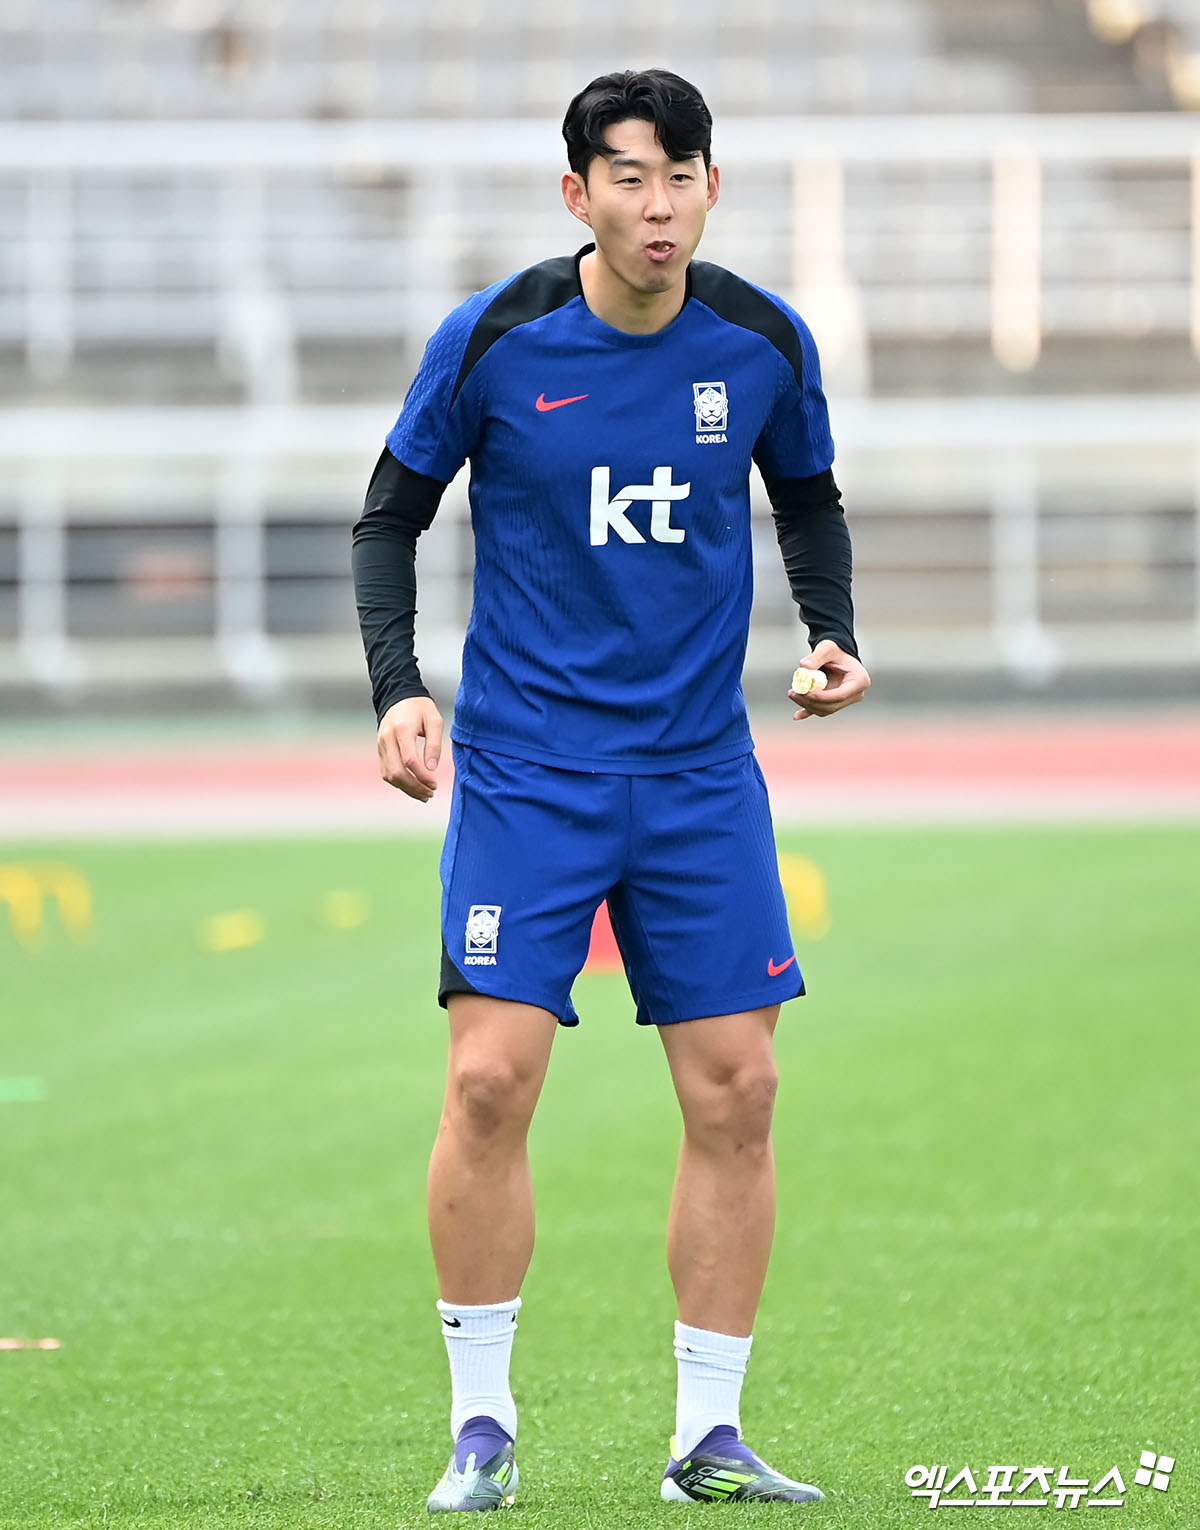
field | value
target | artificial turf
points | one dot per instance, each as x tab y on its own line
213	1195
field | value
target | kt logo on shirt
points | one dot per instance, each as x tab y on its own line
609	514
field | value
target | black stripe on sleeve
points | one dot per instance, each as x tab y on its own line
536	292
733	299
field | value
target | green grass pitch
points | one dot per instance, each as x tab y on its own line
989	1237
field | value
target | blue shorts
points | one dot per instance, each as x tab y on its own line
686	860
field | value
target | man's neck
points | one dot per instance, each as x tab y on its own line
618	304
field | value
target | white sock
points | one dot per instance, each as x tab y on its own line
479	1342
712	1367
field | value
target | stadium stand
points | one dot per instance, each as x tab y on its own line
148	259
488	58
1162	36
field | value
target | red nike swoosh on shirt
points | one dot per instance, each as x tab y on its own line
544	403
774	970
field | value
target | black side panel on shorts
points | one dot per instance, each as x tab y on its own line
538	291
452	980
734	299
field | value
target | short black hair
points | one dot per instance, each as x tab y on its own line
682	122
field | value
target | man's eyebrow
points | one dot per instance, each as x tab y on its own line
627	162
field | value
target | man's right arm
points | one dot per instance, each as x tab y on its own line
400	505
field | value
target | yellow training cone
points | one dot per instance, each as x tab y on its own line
26	889
344	910
806	893
233	931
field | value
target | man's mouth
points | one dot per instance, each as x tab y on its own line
660	249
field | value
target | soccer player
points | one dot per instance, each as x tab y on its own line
610	404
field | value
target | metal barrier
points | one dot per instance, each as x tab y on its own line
960	502
191	544
251	235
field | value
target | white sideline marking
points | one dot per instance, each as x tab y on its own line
81	814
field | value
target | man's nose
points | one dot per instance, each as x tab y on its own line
658	204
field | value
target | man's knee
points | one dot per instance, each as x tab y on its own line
736	1105
498	1055
490	1094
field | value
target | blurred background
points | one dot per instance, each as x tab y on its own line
226	231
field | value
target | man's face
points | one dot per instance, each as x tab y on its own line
646	211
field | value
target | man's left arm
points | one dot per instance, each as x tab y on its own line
815	542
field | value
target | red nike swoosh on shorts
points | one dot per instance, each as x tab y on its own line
774	970
544	403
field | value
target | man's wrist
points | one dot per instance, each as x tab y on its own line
405	693
844	640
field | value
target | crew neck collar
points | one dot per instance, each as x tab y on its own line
625	336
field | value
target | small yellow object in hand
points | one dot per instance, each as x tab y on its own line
805	680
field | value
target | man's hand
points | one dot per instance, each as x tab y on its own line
410	746
848	681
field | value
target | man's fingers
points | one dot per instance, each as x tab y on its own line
835	695
410	747
827	700
433	740
401	765
390	767
412	758
847	682
828	708
825	703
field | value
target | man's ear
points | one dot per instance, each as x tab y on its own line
574	190
714	186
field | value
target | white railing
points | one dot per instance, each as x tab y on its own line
1005	229
1008	226
1000	458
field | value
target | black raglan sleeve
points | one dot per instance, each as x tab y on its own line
815	542
400	505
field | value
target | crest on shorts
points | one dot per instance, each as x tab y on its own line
712	405
483	929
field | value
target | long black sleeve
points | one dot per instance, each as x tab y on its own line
400	505
815	542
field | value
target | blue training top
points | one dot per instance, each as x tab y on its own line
610	502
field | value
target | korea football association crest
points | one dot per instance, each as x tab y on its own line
483	934
712	412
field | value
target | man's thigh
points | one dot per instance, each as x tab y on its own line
700	914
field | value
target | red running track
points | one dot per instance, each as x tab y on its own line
849	769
